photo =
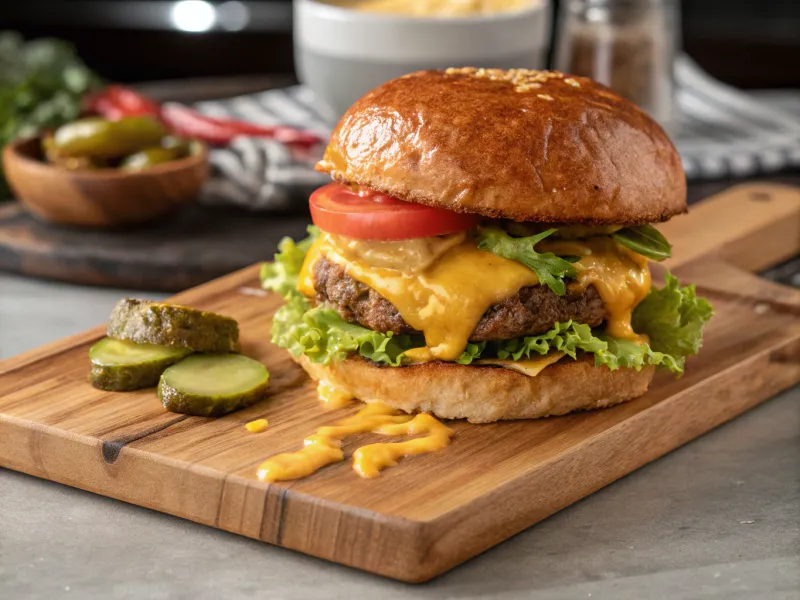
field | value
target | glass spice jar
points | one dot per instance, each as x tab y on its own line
628	45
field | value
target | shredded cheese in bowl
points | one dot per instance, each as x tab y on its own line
435	8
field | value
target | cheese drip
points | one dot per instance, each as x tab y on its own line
333	397
324	447
444	302
447	299
620	276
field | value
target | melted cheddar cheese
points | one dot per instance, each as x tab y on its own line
620	276
444	302
324	447
447	299
530	366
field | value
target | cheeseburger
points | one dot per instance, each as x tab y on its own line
482	251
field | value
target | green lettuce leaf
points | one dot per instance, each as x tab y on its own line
323	336
549	268
628	354
473	351
570	337
281	274
673	318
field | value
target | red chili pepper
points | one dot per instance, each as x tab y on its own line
189	122
281	133
132	103
116	102
101	105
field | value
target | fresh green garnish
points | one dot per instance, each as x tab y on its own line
645	240
42	83
281	274
549	268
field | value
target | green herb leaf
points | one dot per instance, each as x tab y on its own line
645	240
549	268
281	274
42	83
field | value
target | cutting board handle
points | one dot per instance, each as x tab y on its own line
752	226
725	239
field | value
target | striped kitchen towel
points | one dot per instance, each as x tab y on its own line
722	132
263	174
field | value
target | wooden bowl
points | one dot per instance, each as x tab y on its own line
105	197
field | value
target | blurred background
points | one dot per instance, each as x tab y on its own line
747	43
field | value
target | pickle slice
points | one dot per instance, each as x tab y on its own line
120	365
146	322
212	385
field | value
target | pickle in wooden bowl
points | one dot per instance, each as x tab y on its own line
100	197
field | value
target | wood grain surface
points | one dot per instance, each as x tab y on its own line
431	512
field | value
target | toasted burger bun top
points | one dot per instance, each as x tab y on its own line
523	145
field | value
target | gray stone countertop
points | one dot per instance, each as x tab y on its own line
718	518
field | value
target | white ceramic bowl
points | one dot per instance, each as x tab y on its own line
341	53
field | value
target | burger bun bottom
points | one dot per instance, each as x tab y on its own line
484	394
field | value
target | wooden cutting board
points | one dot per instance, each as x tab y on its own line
432	512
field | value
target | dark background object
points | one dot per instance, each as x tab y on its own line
192	247
747	43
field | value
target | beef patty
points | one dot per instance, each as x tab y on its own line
534	309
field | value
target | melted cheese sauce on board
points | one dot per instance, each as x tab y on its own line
447	299
257	426
370	460
324	447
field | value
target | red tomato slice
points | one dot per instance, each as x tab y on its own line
369	215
